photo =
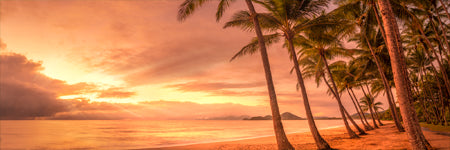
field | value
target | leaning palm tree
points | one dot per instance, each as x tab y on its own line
318	47
346	77
394	45
289	17
368	104
187	8
413	16
361	15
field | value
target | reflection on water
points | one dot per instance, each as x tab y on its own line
126	134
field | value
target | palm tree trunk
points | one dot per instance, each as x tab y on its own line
370	108
391	95
360	109
386	88
432	103
441	99
282	141
436	112
320	142
398	44
445	118
428	120
373	102
378	117
416	137
444	121
341	107
425	115
356	108
373	116
445	8
361	131
375	10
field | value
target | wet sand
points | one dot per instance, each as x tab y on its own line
386	137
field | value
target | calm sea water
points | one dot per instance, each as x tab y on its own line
130	134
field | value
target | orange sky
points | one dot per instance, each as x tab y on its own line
134	55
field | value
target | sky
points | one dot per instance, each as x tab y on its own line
132	59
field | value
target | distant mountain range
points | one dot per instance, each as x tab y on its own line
288	116
229	118
284	116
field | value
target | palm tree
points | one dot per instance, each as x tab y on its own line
346	76
369	101
393	43
418	63
369	104
429	10
189	6
412	16
362	14
290	17
317	47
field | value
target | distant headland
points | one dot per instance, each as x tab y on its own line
288	116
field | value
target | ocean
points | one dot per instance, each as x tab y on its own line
135	134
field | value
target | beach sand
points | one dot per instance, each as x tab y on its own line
386	137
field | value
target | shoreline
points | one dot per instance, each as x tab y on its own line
386	137
231	140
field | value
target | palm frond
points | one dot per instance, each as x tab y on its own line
188	7
223	5
253	46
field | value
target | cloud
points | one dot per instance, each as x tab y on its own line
209	86
156	110
142	43
16	68
2	45
221	88
115	92
25	101
25	93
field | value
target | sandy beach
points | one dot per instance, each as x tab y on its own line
386	137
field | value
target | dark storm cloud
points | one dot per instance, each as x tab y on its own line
24	92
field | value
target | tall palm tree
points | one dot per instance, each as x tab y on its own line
320	46
189	6
290	17
394	45
361	15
